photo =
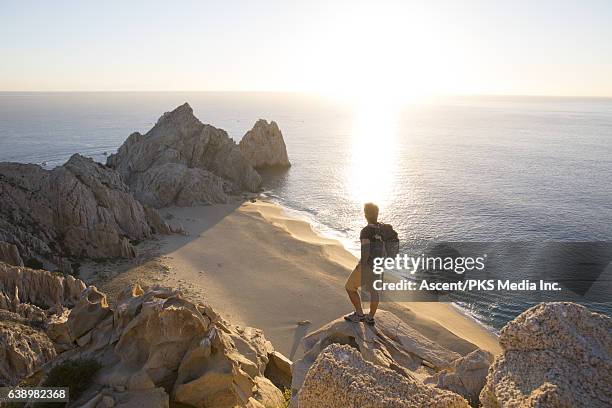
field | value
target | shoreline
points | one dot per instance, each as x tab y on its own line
348	260
259	266
330	233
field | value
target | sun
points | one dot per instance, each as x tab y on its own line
378	54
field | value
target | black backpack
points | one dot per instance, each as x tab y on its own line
384	242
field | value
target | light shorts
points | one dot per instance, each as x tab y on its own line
361	277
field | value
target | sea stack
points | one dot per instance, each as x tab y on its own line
264	146
183	162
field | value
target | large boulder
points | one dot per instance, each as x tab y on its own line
554	355
80	209
263	146
340	377
182	161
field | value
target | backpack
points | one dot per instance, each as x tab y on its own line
385	242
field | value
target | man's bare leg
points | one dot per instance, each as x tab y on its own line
355	300
352	288
374	301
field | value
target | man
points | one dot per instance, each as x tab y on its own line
363	273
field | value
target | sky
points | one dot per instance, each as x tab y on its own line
404	49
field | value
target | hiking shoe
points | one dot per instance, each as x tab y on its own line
354	317
369	320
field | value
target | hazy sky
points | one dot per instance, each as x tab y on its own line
407	47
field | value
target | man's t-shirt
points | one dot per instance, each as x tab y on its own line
367	232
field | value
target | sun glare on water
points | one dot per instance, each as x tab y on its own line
378	59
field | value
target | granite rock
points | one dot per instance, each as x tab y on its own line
554	355
80	209
391	344
47	290
182	161
466	376
23	350
263	146
340	377
155	338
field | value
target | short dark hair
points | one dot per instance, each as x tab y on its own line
371	212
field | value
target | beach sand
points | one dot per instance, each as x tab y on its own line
259	267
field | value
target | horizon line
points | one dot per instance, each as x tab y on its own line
312	93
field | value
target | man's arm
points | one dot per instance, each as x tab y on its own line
365	251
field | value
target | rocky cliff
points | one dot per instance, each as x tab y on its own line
24	348
263	146
153	347
156	341
182	161
81	209
28	300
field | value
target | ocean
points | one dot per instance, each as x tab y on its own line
503	169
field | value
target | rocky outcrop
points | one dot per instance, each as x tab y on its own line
80	209
391	344
555	355
264	146
23	349
182	161
340	377
32	302
157	348
10	303
466	376
47	290
155	340
154	346
89	312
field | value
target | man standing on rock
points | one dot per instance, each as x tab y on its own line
363	274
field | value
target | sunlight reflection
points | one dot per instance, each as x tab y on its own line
371	173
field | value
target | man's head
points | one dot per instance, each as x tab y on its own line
371	212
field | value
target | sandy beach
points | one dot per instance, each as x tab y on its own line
259	267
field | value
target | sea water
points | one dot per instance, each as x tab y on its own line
519	169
